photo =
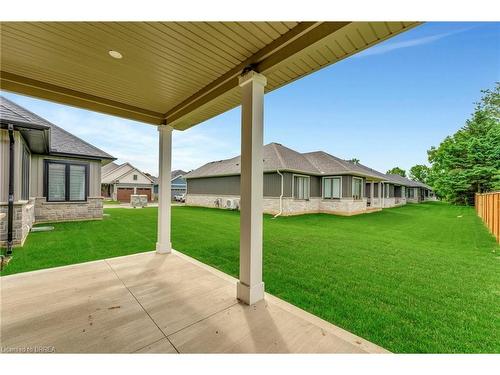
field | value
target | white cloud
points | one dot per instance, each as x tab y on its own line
392	46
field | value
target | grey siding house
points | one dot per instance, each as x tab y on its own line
414	192
178	183
56	175
294	183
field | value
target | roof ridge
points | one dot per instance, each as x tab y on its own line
278	154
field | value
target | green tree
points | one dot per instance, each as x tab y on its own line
420	173
397	170
469	161
354	160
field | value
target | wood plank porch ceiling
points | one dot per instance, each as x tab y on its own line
178	73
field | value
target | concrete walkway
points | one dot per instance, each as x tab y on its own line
155	303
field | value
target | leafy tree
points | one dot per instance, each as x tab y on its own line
354	160
397	170
469	161
420	173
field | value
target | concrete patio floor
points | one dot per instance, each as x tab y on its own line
150	303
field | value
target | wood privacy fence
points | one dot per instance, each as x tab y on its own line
488	209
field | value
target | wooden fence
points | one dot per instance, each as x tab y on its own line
488	209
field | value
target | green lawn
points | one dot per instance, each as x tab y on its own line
419	278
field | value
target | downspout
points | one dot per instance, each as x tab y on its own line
10	214
281	196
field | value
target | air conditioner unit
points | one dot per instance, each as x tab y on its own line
232	204
218	203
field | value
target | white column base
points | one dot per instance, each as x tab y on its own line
249	295
163	248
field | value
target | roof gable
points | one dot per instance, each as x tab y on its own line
61	141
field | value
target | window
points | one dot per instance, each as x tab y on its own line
25	174
411	193
77	174
65	181
135	177
301	187
331	187
357	187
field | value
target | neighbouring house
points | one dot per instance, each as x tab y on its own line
50	174
177	181
120	181
297	183
294	183
416	192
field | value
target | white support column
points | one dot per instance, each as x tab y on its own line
250	287
165	170
380	194
383	194
372	194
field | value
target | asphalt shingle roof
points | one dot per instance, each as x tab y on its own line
279	157
406	181
61	141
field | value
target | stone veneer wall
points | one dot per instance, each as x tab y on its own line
394	202
24	216
346	206
68	211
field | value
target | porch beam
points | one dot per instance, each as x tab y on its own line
59	94
250	288
164	245
294	41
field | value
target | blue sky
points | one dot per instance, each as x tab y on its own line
386	106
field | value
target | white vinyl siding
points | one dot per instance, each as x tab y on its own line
357	188
332	187
56	182
77	182
301	187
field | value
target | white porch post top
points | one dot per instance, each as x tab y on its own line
250	287
252	76
163	244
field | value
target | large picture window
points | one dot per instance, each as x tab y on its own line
66	181
331	187
301	187
357	188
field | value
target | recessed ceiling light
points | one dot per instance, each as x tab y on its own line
115	54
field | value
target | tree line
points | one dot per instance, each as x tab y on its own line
468	161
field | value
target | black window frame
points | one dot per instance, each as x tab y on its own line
67	164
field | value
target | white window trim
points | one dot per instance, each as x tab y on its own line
362	193
322	185
293	186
